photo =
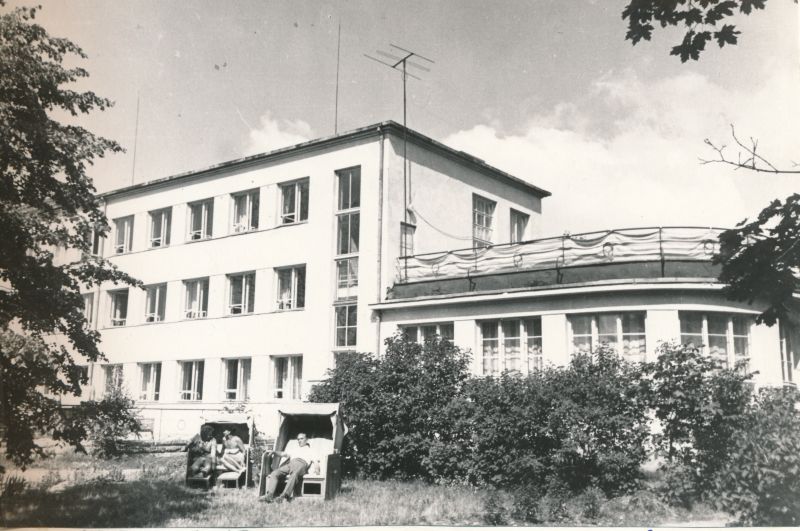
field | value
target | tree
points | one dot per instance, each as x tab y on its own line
701	18
48	211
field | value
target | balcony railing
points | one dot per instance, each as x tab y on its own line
589	248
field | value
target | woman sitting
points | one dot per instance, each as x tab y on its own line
233	452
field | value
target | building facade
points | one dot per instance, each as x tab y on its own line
258	271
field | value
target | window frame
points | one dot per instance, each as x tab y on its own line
620	334
252	208
525	340
150	390
486	229
114	375
350	172
296	288
244	375
407	233
114	320
88	307
302	190
126	224
247	304
206	216
346	308
195	284
160	313
420	336
516	236
195	391
292	363
163	216
346	286
730	335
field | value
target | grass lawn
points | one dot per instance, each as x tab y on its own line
148	491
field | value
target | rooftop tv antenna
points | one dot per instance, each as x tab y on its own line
400	61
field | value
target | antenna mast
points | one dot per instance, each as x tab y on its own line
400	62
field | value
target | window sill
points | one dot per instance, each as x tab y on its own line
289	310
292	224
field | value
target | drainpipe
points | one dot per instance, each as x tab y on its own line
380	242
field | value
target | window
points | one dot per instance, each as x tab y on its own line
245	211
519	222
787	352
482	214
427	332
346	278
291	288
512	345
201	219
624	332
349	186
407	239
156	303
88	306
288	377
294	202
123	234
150	379
96	242
242	293
347	233
723	337
196	303
119	307
346	325
191	380
160	224
237	379
113	377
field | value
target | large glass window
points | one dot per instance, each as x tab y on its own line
347	278
113	377
237	379
245	211
519	223
347	233
724	337
201	219
349	188
156	303
624	332
291	288
119	307
241	293
123	235
482	216
191	380
346	325
287	377
88	306
788	338
511	345
426	332
150	381
160	226
196	301
294	202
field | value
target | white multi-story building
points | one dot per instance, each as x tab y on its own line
258	271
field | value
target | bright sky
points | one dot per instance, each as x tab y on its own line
548	90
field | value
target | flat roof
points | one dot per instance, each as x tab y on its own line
390	127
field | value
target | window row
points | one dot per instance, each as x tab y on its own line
240	298
483	222
245	217
286	379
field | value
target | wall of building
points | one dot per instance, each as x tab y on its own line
661	308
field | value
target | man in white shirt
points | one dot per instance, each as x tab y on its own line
293	470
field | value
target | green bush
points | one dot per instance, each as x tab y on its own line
700	406
107	422
760	481
395	404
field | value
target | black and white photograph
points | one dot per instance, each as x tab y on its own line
450	263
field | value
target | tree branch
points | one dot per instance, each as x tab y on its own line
747	157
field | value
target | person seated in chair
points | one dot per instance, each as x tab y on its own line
233	452
202	452
299	460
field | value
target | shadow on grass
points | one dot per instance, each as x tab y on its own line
140	503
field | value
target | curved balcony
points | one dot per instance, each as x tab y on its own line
646	252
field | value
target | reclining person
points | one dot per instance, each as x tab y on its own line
299	460
202	450
233	452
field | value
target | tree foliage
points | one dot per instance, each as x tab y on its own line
761	259
703	20
48	212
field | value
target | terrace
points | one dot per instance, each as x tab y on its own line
612	255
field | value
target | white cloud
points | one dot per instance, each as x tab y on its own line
627	154
274	133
